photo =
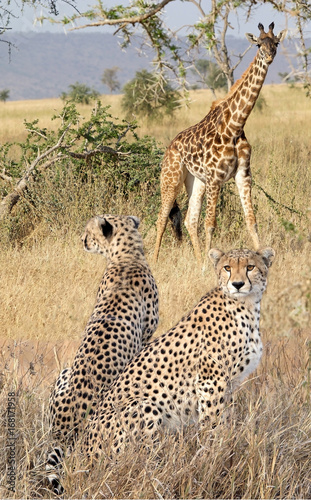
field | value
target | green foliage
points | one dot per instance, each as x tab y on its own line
145	96
80	93
288	226
4	95
96	162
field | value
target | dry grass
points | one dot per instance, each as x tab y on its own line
264	452
13	114
48	288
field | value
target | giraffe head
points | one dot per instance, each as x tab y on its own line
267	42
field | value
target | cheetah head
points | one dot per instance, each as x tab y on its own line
107	234
243	272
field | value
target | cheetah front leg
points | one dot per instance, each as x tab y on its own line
212	402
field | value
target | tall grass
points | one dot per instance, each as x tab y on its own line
47	292
262	452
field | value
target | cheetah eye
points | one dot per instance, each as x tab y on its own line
227	268
250	267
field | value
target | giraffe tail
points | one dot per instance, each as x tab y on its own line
176	220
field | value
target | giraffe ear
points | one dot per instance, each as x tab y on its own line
252	38
280	37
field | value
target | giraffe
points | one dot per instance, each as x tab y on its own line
209	153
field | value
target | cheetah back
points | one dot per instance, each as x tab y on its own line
124	318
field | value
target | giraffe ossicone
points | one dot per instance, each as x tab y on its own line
206	155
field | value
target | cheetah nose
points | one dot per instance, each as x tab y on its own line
238	284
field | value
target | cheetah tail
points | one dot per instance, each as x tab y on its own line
53	468
176	220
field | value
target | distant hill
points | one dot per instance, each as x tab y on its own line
45	64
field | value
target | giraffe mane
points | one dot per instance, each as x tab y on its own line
233	88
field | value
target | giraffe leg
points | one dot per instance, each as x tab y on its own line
243	180
212	192
170	187
244	184
195	189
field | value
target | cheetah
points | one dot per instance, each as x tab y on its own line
187	375
124	318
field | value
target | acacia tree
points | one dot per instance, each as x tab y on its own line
142	96
4	95
147	18
171	53
79	92
109	78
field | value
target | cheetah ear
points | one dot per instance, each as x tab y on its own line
268	255
215	255
136	220
106	228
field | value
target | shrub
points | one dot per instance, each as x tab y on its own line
146	95
95	163
80	93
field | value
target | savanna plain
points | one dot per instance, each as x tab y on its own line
48	287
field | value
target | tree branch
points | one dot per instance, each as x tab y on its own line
11	199
240	57
123	21
94	152
5	177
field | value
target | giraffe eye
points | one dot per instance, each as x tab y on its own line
227	268
250	267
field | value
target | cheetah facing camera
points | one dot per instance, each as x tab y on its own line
124	318
187	375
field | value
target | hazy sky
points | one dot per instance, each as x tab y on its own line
177	14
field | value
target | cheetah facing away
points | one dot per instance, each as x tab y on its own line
188	374
124	318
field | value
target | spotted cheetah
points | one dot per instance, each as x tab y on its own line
188	374
124	318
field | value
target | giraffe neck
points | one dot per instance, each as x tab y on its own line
244	93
